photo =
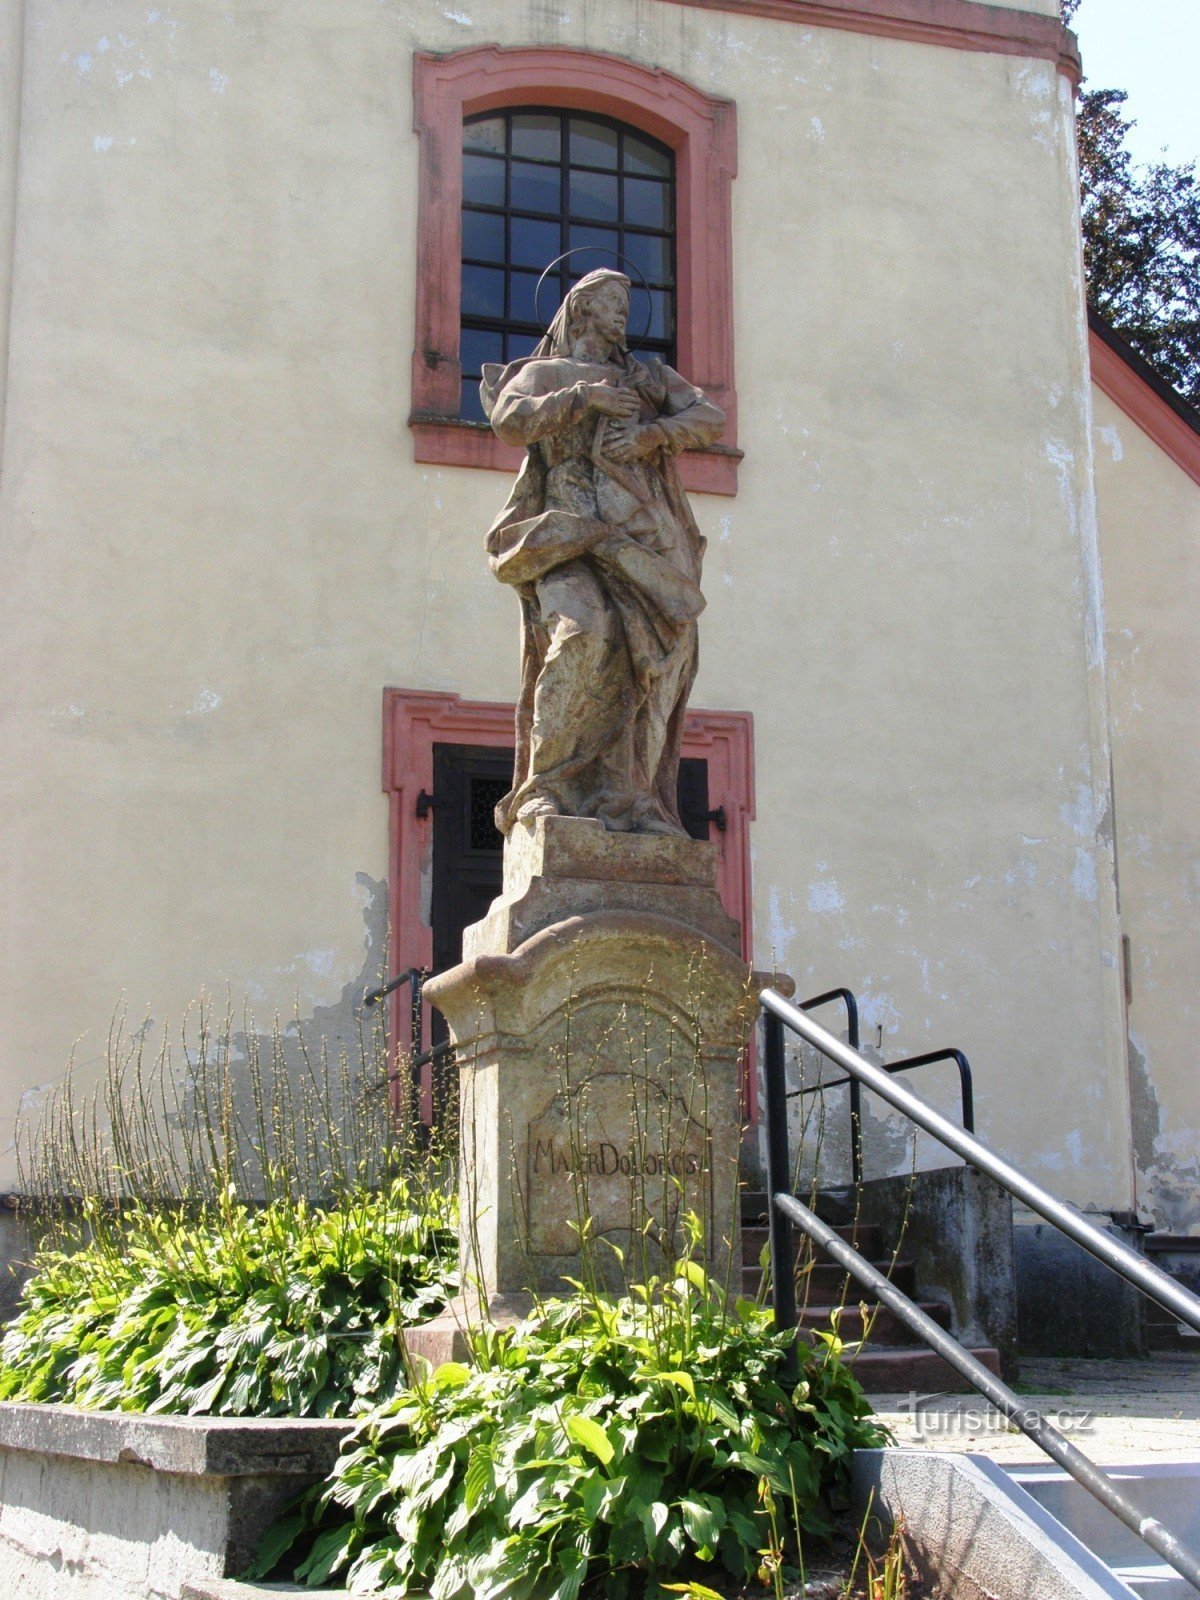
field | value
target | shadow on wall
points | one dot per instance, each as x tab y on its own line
289	1106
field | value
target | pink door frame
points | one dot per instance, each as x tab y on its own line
414	720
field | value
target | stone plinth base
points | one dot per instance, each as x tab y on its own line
600	1019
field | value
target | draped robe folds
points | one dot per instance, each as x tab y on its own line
606	558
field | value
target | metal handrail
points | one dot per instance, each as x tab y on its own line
785	1209
966	1086
418	1057
850	1000
966	1082
1135	1269
1031	1422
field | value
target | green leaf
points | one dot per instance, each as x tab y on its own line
682	1380
275	1545
588	1433
703	1518
327	1555
695	1275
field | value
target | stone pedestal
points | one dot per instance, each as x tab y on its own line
600	1016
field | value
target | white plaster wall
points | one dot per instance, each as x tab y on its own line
1150	535
215	549
1043	8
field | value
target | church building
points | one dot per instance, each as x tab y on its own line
258	680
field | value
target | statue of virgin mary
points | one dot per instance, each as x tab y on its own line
600	544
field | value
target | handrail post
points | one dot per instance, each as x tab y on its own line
416	1037
779	1181
856	1144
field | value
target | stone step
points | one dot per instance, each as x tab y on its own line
885	1327
1178	1255
890	1369
866	1237
829	1283
235	1589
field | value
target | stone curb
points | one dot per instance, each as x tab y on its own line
976	1532
226	1447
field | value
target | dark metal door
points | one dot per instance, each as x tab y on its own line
468	780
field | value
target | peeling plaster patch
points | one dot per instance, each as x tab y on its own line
1083	875
781	933
31	1102
218	81
825	898
1111	438
1167	1163
1083	524
205	702
817	128
1074	1144
1145	1113
462	20
320	961
877	1010
102	141
1080	814
726	527
1023	873
83	65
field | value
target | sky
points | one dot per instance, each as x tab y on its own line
1152	49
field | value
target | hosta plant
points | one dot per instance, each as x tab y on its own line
285	1310
623	1445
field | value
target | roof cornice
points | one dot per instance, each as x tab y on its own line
1131	383
952	24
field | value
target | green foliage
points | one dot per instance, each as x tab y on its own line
1141	239
224	1310
621	1444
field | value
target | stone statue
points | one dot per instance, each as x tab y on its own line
600	543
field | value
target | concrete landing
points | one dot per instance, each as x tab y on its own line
1117	1412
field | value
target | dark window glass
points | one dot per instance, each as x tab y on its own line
651	254
480	345
594	196
535	188
482	292
483	180
647	160
537	183
593	144
483	236
647	205
471	407
522	287
485	133
535	242
537	138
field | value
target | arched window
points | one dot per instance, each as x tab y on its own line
654	113
538	183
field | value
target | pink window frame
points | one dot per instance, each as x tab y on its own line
414	720
702	131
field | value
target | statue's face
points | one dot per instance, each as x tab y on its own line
608	312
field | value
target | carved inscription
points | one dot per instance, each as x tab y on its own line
619	1151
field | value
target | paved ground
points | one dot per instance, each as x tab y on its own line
1115	1411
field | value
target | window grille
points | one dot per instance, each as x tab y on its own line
537	183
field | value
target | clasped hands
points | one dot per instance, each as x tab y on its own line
628	439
